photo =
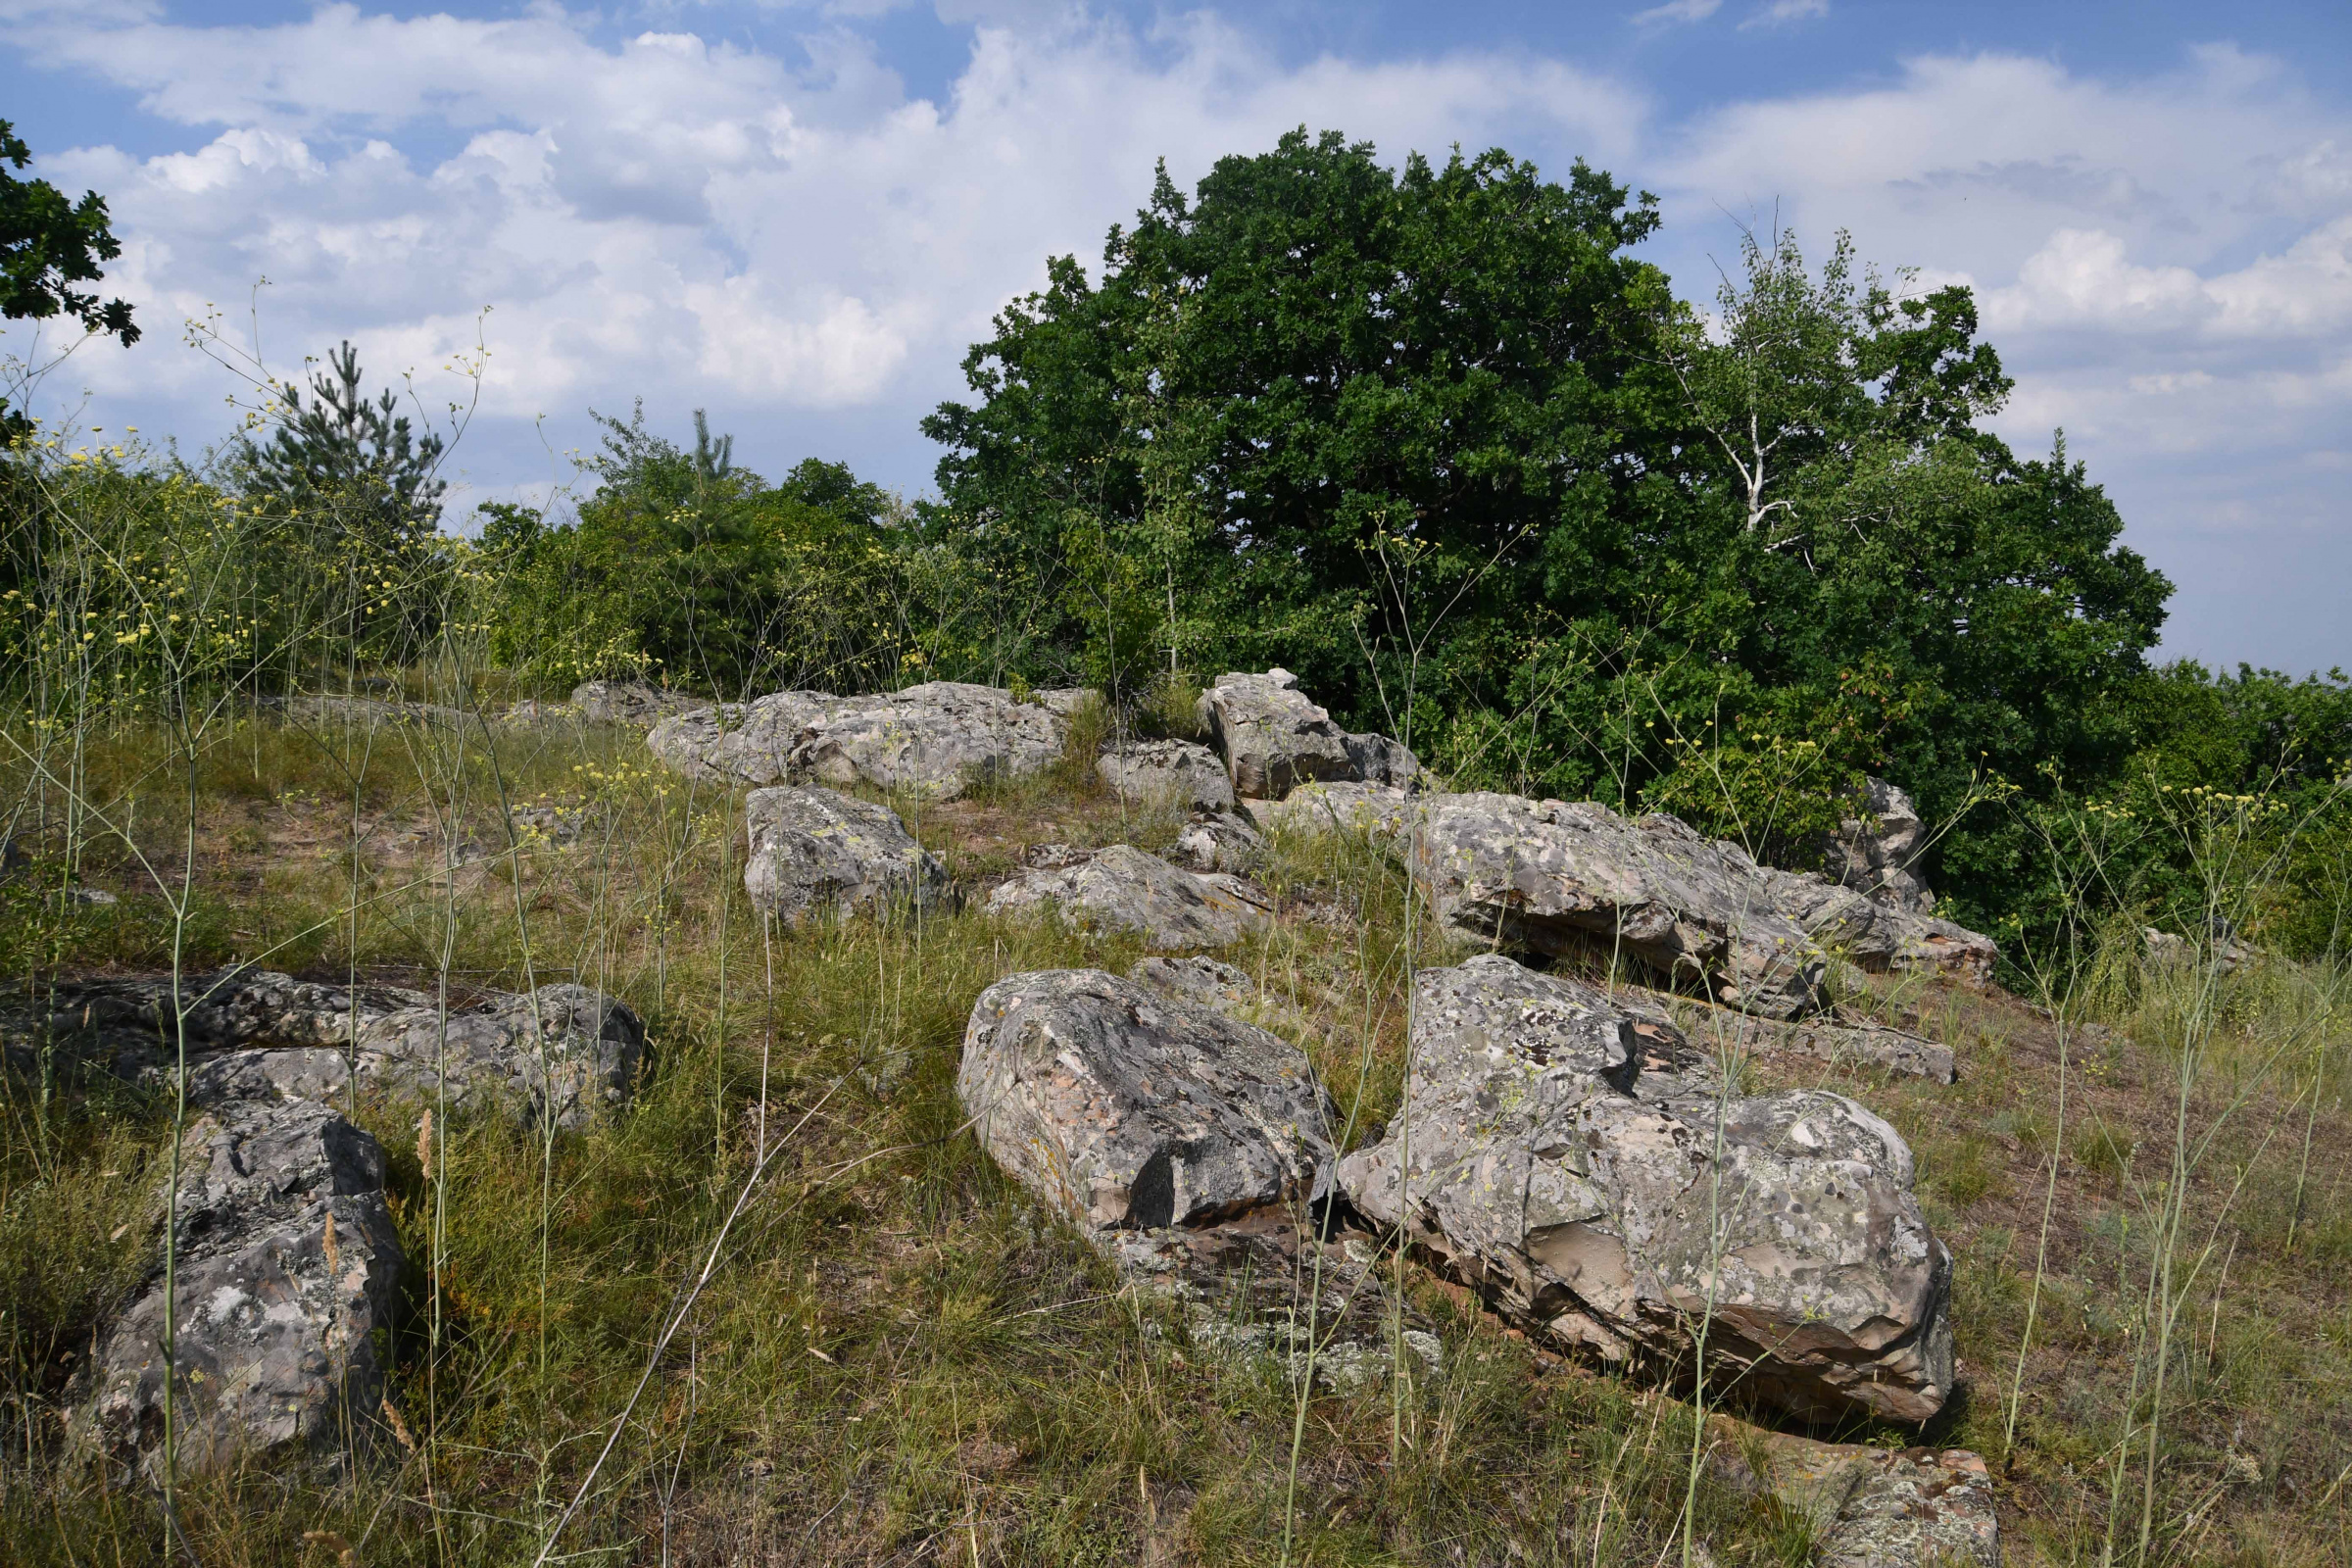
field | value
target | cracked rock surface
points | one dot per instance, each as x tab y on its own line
1121	888
1176	775
564	1051
1274	738
931	740
1596	1202
287	1266
1874	1507
1126	1109
1556	877
819	854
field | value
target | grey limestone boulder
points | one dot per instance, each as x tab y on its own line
1552	877
931	740
819	854
628	702
1123	1108
1274	738
1123	889
287	1266
740	743
1597	1203
1879	936
562	1051
1873	850
1874	1507
1211	982
1170	775
1218	841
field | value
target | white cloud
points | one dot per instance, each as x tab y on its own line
2166	263
1781	11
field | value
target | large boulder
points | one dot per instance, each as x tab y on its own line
819	854
1123	1108
286	1265
1596	1202
931	740
1170	775
1122	888
1879	936
628	702
740	743
562	1051
1274	738
1218	841
1873	850
1554	878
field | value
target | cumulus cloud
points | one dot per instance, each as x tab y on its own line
801	246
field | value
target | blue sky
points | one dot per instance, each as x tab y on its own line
799	216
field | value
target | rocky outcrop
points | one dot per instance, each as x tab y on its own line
1274	738
1599	1202
563	1052
287	1266
1123	889
1211	982
819	854
1125	1108
1879	937
1554	877
932	739
1873	1507
628	702
1873	850
1380	813
1167	775
1218	841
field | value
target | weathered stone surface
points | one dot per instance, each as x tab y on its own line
1381	813
1210	982
931	740
287	1264
1597	1203
1125	1108
1874	1507
1169	776
1123	889
819	854
1554	878
1876	936
744	743
1873	850
629	702
1380	760
563	1051
1272	736
1219	841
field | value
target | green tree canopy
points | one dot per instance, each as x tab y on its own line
48	244
1443	419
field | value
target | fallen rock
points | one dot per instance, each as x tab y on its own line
1273	738
287	1264
1167	775
819	854
1219	841
1380	813
1596	1203
747	742
1873	850
1879	937
1123	889
1125	1108
932	739
1874	1507
1554	877
563	1052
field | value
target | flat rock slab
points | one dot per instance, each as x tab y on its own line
1125	1108
1556	877
564	1051
1274	738
1169	776
819	854
933	740
1122	888
287	1266
1598	1203
1874	1507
